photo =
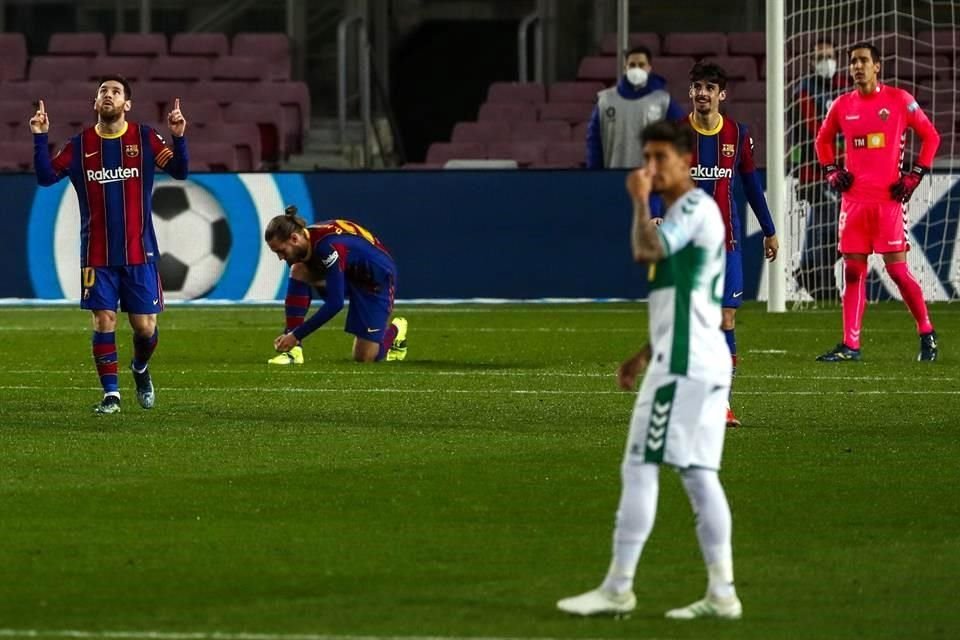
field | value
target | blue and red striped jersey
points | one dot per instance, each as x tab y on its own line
113	176
719	156
356	252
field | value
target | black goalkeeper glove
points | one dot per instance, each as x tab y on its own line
839	179
907	184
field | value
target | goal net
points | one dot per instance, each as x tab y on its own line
920	45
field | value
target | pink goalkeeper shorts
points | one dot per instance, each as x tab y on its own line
872	227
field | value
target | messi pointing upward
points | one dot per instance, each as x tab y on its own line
111	166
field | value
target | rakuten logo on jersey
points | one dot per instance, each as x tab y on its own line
710	173
119	174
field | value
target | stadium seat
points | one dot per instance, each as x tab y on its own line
482	132
225	92
516	92
210	45
752	114
516	112
709	43
921	69
26	93
132	68
77	44
245	138
294	99
77	90
70	116
941	41
747	43
198	112
239	68
746	91
14	115
440	152
150	99
273	48
182	68
574	91
13	51
648	39
138	44
737	67
550	131
526	153
566	154
219	156
602	68
269	122
893	45
59	68
16	156
676	71
6	133
579	132
569	112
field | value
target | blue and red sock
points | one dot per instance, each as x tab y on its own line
143	348
732	345
296	303
105	359
388	337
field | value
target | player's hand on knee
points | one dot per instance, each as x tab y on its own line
839	179
907	184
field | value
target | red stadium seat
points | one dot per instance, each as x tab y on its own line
574	91
132	68
516	92
677	73
16	156
551	131
13	51
273	48
515	112
294	98
15	114
245	138
219	156
566	154
526	153
648	39
226	92
84	90
737	67
138	44
70	116
200	112
77	44
603	68
441	152
59	68
941	41
747	91
25	94
709	43
150	99
239	68
269	122
210	45
482	132
182	68
748	43
579	132
569	112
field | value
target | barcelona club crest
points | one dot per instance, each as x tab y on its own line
727	150
884	114
132	150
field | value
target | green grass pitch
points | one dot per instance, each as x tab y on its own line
462	492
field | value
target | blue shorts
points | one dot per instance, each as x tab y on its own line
733	281
369	312
136	288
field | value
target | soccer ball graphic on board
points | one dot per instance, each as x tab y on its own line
194	239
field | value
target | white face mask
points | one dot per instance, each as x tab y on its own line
826	68
637	76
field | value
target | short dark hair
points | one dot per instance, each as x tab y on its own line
127	93
639	49
874	52
678	134
283	226
709	72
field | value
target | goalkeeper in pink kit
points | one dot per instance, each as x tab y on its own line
873	119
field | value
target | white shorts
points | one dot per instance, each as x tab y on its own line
678	421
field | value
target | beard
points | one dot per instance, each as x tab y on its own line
110	114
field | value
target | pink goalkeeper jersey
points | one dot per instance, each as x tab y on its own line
874	128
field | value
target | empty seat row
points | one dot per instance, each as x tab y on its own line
557	154
183	68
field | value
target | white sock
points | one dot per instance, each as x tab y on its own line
635	516
714	528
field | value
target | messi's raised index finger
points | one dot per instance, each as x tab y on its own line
40	107
176	104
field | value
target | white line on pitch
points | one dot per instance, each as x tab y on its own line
226	635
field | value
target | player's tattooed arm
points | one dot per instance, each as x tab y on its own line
632	367
644	238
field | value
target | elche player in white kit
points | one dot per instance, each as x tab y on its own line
679	415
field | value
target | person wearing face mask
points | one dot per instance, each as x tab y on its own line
638	99
813	96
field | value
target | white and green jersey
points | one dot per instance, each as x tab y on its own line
686	288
